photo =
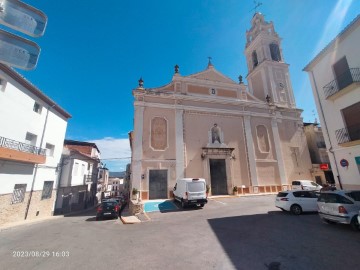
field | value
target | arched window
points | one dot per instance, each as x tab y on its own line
275	52
254	59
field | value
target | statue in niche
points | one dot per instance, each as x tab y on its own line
215	134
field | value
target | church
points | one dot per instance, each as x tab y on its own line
206	125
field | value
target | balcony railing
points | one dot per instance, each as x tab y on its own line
348	134
22	147
350	76
87	179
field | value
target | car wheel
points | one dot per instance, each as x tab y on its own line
296	209
355	223
182	204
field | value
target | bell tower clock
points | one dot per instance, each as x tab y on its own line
268	74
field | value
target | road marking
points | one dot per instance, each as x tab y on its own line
219	202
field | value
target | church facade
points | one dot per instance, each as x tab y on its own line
206	125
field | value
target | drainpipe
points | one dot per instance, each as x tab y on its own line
36	166
326	129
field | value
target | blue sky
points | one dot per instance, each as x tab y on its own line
94	52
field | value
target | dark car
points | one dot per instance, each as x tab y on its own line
108	209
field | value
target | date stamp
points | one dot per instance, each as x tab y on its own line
40	254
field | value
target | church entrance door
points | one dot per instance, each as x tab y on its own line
218	177
158	184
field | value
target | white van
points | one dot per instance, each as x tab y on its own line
305	185
190	191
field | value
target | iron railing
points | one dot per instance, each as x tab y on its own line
88	179
348	134
23	147
350	76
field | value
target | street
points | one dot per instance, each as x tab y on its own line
228	233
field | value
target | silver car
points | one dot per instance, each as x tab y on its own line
340	206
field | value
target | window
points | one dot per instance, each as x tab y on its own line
82	169
30	138
37	108
352	120
47	190
263	139
18	193
254	59
49	149
355	195
342	73
275	52
76	168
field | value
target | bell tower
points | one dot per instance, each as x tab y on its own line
268	74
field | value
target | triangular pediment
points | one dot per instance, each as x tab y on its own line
211	74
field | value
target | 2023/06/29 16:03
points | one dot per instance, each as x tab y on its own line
40	254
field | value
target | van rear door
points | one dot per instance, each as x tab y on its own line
196	190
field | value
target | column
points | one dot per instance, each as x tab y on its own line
279	155
250	151
136	170
179	138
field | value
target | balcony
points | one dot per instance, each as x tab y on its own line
342	82
88	179
348	136
21	152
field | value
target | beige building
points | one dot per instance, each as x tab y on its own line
207	125
335	79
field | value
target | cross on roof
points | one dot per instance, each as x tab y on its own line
257	4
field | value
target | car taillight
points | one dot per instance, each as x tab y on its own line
116	208
284	199
342	210
99	209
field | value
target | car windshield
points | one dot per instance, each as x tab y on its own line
196	186
282	194
355	195
314	184
109	203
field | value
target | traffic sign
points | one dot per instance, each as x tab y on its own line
22	17
344	163
18	52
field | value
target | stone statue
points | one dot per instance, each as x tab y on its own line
215	134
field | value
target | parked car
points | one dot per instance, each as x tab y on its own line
340	206
305	185
190	191
108	209
297	201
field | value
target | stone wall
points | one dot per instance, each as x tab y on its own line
16	212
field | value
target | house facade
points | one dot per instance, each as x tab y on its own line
31	140
321	169
79	176
206	125
335	79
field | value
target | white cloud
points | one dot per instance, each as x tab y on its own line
115	152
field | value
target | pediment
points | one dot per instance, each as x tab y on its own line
211	74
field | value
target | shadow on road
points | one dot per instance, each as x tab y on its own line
280	240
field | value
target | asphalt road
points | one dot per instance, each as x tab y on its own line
228	233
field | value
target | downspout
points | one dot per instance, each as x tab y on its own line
36	166
325	126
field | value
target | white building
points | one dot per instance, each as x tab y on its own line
117	186
335	78
79	175
31	141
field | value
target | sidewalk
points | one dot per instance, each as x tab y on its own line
11	225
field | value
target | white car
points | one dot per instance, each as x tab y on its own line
305	185
297	201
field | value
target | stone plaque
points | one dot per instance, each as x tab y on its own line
159	133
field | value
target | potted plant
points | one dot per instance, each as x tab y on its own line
134	193
207	190
235	190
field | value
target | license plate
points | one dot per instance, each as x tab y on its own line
107	213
